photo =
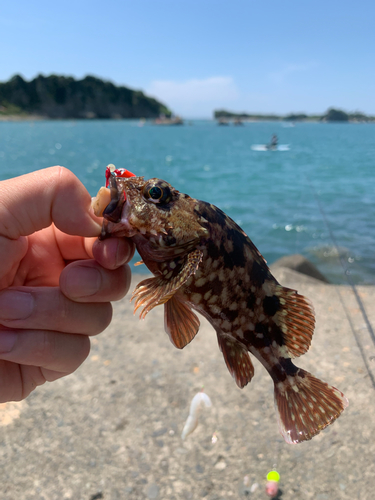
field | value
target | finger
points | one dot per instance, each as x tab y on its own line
87	281
12	252
31	202
73	247
60	352
113	252
45	355
47	308
110	253
18	381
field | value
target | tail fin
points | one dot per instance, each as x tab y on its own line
306	406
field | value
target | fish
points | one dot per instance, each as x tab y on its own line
202	261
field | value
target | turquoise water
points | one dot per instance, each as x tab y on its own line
276	196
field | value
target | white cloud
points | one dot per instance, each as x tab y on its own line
288	69
195	97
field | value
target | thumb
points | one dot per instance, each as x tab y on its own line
34	201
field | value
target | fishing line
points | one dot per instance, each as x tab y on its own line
351	284
298	227
348	317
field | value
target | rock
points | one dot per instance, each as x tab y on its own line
300	264
153	491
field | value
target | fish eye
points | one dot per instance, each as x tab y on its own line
157	193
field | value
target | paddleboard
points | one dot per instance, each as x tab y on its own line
264	147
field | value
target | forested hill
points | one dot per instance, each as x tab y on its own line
64	97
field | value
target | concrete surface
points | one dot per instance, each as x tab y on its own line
112	429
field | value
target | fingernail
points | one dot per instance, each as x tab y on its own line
124	251
83	281
15	305
7	341
119	254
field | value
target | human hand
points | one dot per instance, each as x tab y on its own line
56	279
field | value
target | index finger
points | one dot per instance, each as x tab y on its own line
33	201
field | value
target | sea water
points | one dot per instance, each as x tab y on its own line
316	198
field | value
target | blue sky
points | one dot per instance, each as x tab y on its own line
200	55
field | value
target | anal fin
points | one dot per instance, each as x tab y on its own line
237	360
180	322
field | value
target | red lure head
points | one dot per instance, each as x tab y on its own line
112	211
118	172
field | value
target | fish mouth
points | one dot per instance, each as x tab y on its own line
115	214
116	222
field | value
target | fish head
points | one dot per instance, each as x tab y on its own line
153	212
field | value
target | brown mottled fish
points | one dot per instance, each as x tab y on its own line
203	261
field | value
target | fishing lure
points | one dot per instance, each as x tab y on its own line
199	401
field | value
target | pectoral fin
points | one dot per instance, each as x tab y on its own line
180	322
155	291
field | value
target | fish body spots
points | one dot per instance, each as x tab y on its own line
229	258
196	298
251	300
248	335
284	370
215	310
226	325
228	245
258	274
271	305
213	250
233	249
200	282
229	314
216	285
213	299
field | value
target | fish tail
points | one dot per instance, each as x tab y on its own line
305	405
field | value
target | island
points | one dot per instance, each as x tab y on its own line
60	97
331	115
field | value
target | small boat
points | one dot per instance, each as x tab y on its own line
267	147
222	121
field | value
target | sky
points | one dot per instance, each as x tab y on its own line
261	56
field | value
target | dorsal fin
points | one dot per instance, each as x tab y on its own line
295	316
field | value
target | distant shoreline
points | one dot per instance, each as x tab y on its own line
331	115
22	118
25	118
29	118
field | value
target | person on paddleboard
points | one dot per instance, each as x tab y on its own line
274	142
